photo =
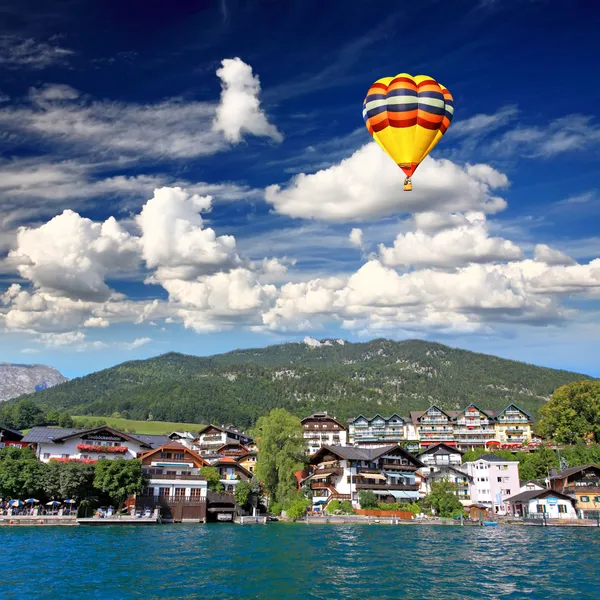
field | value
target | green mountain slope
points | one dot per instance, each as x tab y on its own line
344	378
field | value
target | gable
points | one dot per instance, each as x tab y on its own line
433	412
396	420
514	409
360	421
400	452
472	409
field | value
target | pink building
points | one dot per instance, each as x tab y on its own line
494	480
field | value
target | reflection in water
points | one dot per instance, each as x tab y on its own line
300	561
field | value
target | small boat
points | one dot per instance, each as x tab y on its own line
490	523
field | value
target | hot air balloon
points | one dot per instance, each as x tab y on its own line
407	116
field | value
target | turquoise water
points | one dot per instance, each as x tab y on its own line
283	561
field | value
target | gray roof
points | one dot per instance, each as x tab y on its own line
532	494
572	471
440	448
38	435
370	454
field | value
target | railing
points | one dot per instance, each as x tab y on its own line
172	460
175	477
152	501
473	440
428	420
386	486
482	431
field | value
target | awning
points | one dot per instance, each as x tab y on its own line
373	476
328	462
320	476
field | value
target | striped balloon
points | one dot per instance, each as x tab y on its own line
407	116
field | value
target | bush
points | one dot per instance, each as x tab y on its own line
333	506
297	507
275	508
367	499
346	507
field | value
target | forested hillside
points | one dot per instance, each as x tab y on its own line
344	378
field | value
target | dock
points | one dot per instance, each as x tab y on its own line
250	520
123	520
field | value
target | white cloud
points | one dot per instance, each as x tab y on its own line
368	185
56	340
484	123
19	53
466	243
239	111
96	322
137	343
175	241
71	255
551	256
53	92
356	237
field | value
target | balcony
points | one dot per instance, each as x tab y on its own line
428	421
173	460
397	467
153	476
514	430
482	431
386	486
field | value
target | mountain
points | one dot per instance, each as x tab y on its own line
16	380
344	378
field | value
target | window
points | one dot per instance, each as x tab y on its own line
164	492
195	492
178	456
540	508
500	479
65	455
46	454
596	498
179	492
585	498
562	508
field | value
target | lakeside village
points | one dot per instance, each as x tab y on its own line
393	469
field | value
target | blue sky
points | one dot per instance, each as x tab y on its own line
196	177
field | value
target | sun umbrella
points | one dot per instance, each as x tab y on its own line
31	501
70	502
15	503
53	503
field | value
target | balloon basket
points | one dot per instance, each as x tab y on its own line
408	187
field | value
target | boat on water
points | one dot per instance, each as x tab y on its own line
490	523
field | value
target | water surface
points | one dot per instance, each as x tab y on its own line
300	561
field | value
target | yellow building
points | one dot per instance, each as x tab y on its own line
248	461
513	426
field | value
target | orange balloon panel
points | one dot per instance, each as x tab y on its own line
407	116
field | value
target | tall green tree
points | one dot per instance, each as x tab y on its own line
119	478
573	413
281	453
443	499
243	494
367	499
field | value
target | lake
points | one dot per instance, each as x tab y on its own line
281	561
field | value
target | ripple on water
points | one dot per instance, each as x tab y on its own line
298	561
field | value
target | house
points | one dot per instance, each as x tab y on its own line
458	478
494	480
582	484
11	437
213	437
342	472
377	431
234	449
433	426
183	437
441	455
442	462
248	461
513	427
231	472
173	471
320	430
175	484
88	445
529	486
473	428
546	503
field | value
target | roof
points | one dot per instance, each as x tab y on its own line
227	460
171	445
442	472
415	415
533	494
13	431
225	430
320	416
562	474
370	454
487	413
182	434
494	458
361	416
515	406
440	446
37	435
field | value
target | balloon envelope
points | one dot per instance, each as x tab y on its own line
407	116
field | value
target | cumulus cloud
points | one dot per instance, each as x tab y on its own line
239	111
356	237
72	256
551	256
368	185
137	343
484	123
468	242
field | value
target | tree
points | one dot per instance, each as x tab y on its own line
213	479
119	478
573	413
297	506
27	414
367	499
281	452
443	499
21	474
333	506
69	480
243	494
346	507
